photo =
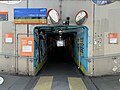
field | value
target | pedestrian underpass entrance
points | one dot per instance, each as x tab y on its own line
60	44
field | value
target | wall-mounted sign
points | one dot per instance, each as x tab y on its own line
8	38
30	16
60	43
10	1
3	16
113	38
27	46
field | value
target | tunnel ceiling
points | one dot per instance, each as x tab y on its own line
60	31
63	35
56	29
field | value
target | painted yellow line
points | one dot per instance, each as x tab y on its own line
44	83
76	84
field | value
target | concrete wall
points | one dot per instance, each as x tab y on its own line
106	20
22	65
8	61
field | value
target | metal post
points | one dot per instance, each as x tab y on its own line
27	36
15	52
93	33
79	52
61	11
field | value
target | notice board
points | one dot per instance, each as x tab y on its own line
27	46
30	16
9	38
113	38
3	16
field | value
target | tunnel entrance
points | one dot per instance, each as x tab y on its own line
59	47
60	60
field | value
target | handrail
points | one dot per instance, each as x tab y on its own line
95	57
103	56
10	55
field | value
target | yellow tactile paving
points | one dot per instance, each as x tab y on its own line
44	83
76	84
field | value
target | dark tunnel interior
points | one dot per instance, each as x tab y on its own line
60	61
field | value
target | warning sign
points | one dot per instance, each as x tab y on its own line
113	38
8	38
27	46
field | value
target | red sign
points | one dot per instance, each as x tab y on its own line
27	46
3	12
3	16
113	38
8	38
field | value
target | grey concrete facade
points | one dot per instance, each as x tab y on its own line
101	20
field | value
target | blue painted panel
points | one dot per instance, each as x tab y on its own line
39	45
30	12
35	49
82	35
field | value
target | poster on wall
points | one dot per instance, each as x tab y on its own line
3	16
113	38
30	16
8	38
27	46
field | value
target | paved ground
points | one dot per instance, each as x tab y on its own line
29	83
62	71
12	82
107	82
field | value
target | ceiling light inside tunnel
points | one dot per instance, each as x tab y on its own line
60	36
60	32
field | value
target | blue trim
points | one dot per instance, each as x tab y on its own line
35	49
82	34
